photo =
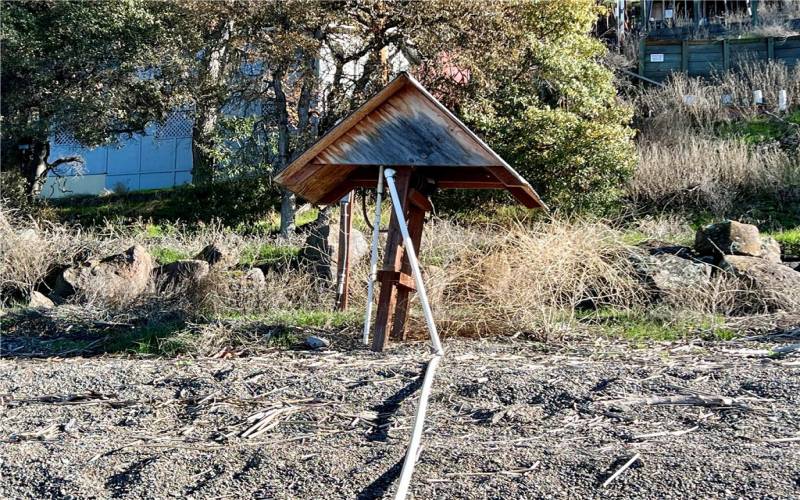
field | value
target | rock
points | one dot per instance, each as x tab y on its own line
115	280
770	249
217	255
314	342
321	249
668	273
255	278
728	238
793	265
38	300
181	274
777	285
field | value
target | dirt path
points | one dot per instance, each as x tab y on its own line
506	421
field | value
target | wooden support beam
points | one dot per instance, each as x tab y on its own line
419	201
392	261
398	278
416	219
343	263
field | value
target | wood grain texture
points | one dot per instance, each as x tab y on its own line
401	126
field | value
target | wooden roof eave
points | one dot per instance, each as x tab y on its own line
509	178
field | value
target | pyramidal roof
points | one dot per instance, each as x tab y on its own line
402	125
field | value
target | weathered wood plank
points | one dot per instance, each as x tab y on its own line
406	130
392	261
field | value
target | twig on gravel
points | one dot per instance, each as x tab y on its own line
504	472
687	400
621	470
666	433
48	433
784	440
266	420
86	398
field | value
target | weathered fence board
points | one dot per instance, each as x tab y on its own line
660	58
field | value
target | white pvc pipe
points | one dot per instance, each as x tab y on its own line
373	261
345	250
419	420
416	435
411	255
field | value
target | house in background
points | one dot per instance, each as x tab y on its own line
161	157
704	37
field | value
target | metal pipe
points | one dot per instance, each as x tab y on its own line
344	248
412	260
419	420
416	435
373	261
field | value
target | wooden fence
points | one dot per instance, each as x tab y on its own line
659	58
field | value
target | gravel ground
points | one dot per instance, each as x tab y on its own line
506	420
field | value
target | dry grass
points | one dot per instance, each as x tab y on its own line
687	162
692	104
709	173
538	278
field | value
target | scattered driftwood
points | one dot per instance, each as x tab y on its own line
784	440
621	470
264	421
48	433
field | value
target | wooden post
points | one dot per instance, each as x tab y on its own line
416	220
392	263
726	55
642	54
685	56
343	261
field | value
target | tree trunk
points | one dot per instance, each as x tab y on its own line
288	209
35	169
287	198
202	144
207	109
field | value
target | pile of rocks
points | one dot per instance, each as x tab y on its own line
725	247
120	279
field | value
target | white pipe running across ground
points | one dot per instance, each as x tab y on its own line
438	352
373	260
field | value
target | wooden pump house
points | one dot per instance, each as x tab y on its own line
405	129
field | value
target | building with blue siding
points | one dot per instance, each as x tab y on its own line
161	157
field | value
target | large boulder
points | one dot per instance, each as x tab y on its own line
180	275
116	280
668	274
217	255
321	249
778	286
728	238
